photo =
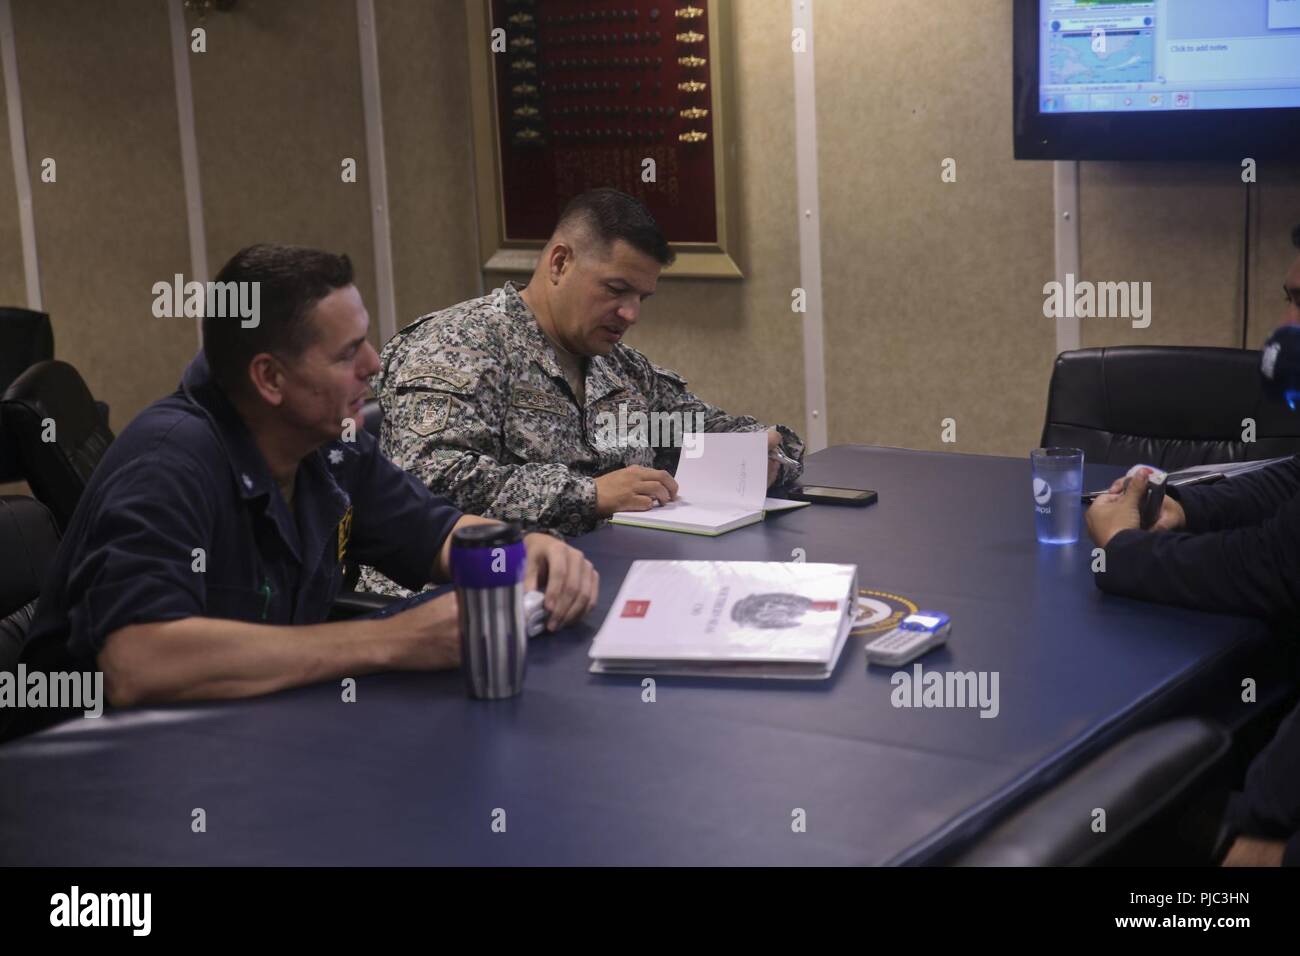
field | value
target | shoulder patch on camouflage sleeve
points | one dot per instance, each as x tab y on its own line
430	414
434	374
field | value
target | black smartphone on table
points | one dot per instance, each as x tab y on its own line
825	495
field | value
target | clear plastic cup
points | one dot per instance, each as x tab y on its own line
1058	493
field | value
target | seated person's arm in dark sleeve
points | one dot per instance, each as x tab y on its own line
399	526
1249	570
137	561
136	602
1249	499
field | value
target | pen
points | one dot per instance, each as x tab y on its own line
777	453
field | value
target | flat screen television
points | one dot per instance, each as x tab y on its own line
1163	79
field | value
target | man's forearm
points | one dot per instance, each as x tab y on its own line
1243	571
201	658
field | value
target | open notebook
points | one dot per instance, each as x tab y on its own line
728	619
721	488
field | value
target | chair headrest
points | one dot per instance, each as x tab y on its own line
1167	392
56	390
53	393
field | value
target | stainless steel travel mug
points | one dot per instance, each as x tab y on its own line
487	567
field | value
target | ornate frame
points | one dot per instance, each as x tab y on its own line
694	259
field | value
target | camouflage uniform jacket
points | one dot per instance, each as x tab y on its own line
477	407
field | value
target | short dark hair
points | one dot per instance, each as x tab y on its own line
292	279
1295	236
611	214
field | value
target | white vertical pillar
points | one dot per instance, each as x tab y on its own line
1065	193
18	147
376	168
189	148
810	247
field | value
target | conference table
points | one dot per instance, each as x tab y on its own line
585	769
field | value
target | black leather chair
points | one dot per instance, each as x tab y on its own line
57	470
1163	791
1166	406
26	338
29	539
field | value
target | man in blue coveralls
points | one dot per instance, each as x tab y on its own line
206	550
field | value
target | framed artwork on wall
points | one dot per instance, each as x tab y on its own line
569	95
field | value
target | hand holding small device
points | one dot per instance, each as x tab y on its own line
1153	497
1134	502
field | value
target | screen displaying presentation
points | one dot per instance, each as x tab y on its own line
1100	56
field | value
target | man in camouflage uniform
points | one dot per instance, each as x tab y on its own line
515	405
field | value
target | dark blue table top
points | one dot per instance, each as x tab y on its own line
712	771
